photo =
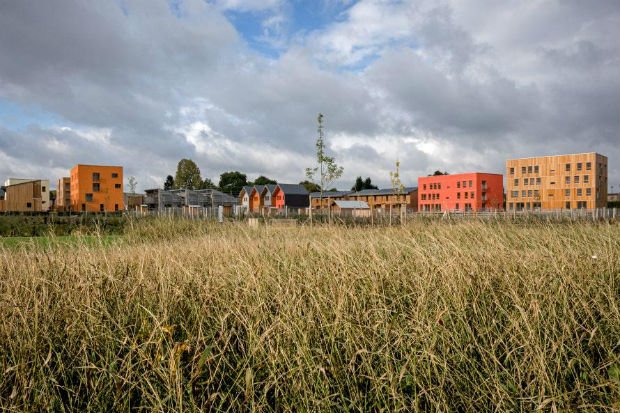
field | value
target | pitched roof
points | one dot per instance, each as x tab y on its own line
259	188
352	204
389	191
293	189
332	194
246	189
271	187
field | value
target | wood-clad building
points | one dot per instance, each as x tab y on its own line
384	199
63	194
96	188
328	198
24	197
557	182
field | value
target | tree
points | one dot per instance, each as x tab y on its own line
208	184
438	172
363	184
169	183
233	182
326	171
397	186
131	184
310	186
263	180
188	175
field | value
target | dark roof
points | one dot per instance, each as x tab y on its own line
389	191
247	189
259	188
271	187
352	204
330	194
293	189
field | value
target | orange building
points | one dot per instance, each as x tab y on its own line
461	192
96	188
557	182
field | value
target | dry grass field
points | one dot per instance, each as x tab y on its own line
433	316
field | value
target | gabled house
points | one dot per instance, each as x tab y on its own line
267	194
256	200
244	196
290	196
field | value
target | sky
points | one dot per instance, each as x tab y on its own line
238	84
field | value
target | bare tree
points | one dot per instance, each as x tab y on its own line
131	184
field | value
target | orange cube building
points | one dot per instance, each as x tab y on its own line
96	188
461	192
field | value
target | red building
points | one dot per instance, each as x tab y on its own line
461	192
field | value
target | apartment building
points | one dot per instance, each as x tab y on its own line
63	194
27	196
557	182
96	188
44	190
474	191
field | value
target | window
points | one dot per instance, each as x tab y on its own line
114	175
538	181
567	205
515	194
458	184
458	195
457	206
567	167
525	181
512	171
89	197
471	195
439	186
529	193
536	193
586	179
466	194
117	186
101	208
579	192
523	170
464	184
83	207
95	187
567	180
28	204
576	179
529	169
423	197
516	182
523	193
579	165
536	169
588	191
567	192
95	176
116	207
470	184
42	189
588	166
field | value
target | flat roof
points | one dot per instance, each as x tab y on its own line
461	173
105	166
555	156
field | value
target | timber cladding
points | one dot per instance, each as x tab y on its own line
557	182
23	197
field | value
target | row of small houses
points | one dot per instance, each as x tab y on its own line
294	197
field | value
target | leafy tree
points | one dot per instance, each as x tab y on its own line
233	182
310	186
131	184
188	175
361	184
438	172
326	171
263	180
208	184
169	183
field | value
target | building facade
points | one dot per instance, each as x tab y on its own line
45	190
290	196
557	182
25	196
63	194
96	188
382	200
475	191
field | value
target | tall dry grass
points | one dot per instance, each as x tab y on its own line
427	317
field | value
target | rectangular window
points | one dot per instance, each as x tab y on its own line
114	175
538	181
470	184
471	195
458	184
529	193
523	170
567	167
89	197
464	184
567	205
588	191
536	169
523	193
567	180
96	187
101	208
536	193
579	165
512	171
117	186
95	176
116	207
457	206
466	195
567	192
42	189
525	181
28	204
531	181
529	169
579	192
424	186
458	195
586	179
516	183
576	179
588	166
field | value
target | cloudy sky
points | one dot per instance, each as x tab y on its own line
237	85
